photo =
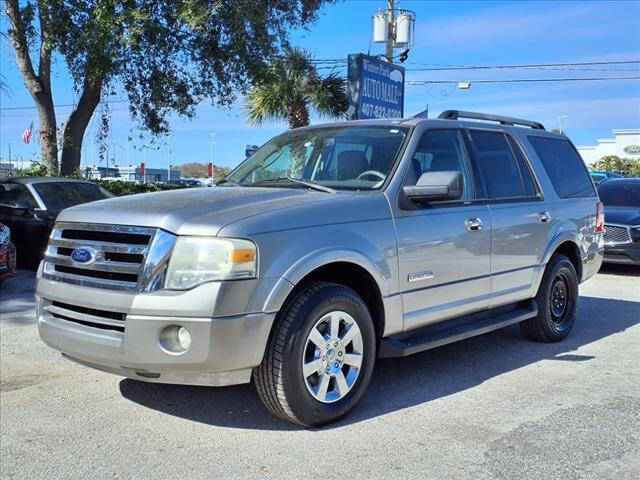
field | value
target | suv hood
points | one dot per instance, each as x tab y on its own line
622	215
194	211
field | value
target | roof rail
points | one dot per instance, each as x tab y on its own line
456	114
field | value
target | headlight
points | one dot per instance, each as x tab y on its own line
196	260
5	234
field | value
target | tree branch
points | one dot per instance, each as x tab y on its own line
21	46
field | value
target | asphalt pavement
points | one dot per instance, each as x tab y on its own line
495	406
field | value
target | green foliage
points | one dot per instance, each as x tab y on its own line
199	170
120	188
291	88
629	167
171	55
35	170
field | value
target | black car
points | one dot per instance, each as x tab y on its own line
29	207
621	198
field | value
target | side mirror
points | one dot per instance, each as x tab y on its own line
434	186
22	208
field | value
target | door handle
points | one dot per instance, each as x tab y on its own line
544	217
473	224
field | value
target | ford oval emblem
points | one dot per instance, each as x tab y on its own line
84	255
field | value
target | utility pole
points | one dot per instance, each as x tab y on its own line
390	31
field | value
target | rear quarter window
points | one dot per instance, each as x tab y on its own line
566	170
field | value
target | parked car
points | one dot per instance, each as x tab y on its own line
599	177
7	254
621	198
187	182
330	246
30	205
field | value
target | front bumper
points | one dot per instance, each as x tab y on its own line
623	254
225	346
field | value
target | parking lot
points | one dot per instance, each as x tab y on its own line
496	406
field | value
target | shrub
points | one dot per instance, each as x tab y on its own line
120	188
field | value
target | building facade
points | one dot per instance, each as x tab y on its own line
625	144
132	173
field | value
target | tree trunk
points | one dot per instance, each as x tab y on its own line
39	86
76	126
48	137
298	116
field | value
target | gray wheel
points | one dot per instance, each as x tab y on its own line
332	357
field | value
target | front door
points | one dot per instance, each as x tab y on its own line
444	248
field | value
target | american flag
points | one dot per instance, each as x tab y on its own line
26	135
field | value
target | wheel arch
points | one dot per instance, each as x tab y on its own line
565	244
363	279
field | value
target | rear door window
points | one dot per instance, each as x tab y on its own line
566	170
496	160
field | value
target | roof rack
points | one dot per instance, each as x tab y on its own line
456	114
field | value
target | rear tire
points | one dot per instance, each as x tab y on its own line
557	301
320	356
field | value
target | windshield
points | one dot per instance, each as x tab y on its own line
59	195
343	158
620	194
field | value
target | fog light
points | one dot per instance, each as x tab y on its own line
175	339
184	338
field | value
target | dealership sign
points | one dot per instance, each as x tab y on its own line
376	88
632	149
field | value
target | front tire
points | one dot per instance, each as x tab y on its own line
320	356
557	300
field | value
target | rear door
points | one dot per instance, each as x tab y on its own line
522	220
443	247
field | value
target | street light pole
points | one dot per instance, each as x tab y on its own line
168	159
561	119
10	169
213	148
390	31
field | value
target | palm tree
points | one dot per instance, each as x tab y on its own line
292	87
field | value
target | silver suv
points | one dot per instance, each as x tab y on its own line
328	247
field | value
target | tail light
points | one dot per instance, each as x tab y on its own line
600	218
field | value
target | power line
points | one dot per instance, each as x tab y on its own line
523	80
531	65
56	106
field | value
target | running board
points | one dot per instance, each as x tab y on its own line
450	331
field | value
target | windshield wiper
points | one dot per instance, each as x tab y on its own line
314	186
228	180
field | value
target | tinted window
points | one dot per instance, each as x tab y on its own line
59	195
620	193
500	168
530	189
441	151
12	193
564	166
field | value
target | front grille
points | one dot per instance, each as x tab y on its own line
616	235
89	317
120	253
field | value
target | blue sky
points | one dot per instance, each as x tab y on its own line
447	33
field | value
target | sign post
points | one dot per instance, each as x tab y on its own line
376	88
143	169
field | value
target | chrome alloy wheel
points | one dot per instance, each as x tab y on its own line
332	357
